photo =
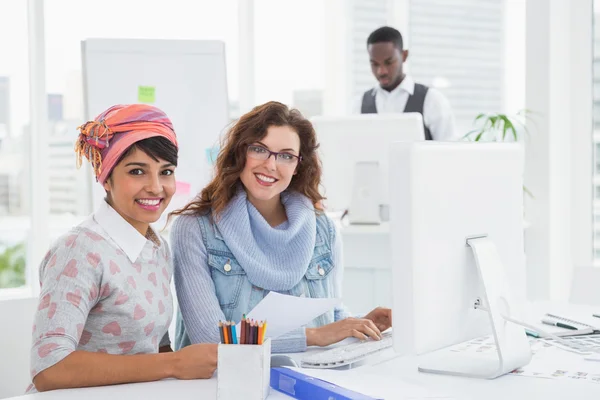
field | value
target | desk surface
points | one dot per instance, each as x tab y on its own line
399	370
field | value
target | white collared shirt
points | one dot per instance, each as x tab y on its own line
437	113
118	231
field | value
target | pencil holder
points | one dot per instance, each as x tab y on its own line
244	371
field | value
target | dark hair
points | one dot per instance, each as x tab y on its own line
155	147
250	128
386	34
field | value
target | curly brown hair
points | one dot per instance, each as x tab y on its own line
250	128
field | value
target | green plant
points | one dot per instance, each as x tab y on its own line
12	266
497	127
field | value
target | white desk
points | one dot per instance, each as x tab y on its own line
400	370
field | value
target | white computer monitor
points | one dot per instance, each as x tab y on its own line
441	195
348	141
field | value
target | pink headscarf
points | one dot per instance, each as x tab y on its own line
103	140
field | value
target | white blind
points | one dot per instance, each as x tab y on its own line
365	16
459	43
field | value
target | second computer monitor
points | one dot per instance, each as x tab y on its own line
443	195
350	140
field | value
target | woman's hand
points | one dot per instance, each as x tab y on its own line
382	317
198	361
340	330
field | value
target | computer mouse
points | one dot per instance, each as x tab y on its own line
280	360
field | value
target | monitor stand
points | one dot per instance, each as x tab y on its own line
512	346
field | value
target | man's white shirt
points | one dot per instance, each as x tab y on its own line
437	113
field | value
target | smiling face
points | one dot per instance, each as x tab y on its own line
140	188
265	179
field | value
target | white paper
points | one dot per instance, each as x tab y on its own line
368	382
285	313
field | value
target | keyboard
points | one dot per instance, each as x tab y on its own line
348	354
584	344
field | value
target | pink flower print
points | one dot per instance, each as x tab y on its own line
161	307
105	290
112	328
70	270
33	328
149	328
44	302
114	268
46	349
97	309
70	241
85	338
79	330
119	252
57	332
93	292
131	281
138	267
149	296
74	297
94	259
152	278
121	298
52	310
126	346
155	341
165	290
102	351
138	312
165	273
52	262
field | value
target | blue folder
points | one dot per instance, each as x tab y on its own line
305	387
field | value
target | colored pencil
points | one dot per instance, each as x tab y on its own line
248	338
221	332
260	334
243	330
234	333
229	332
264	332
225	333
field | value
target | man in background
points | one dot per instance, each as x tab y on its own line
398	93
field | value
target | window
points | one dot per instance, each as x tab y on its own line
14	121
135	19
290	53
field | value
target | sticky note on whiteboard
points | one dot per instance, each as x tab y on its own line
146	94
182	188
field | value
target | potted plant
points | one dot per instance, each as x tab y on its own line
498	127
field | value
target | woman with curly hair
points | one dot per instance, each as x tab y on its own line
259	227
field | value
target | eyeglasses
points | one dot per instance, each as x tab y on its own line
263	154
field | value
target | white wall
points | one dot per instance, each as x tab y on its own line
15	337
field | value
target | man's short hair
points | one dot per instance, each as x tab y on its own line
386	34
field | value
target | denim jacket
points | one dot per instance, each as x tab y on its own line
237	296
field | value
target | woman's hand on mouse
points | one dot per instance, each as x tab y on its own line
360	328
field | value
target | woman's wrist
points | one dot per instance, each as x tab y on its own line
312	337
170	362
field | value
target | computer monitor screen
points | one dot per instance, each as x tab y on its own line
346	141
441	195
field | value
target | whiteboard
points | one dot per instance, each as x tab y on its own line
184	78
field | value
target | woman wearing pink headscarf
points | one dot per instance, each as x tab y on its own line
105	285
